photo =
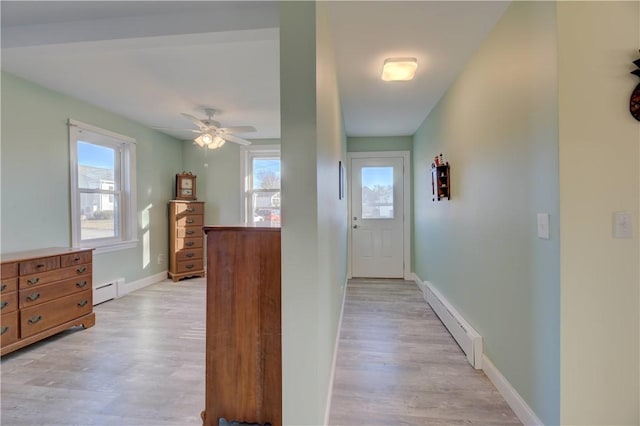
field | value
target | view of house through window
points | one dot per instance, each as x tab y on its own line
262	195
99	187
102	201
377	192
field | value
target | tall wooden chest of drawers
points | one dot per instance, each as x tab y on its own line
44	292
186	239
243	326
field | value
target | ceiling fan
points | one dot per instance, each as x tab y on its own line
211	135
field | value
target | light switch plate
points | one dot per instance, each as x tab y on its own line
543	226
622	225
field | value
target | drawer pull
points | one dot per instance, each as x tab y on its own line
189	266
4	304
40	265
32	281
190	220
191	209
81	284
4	330
75	259
190	232
3	287
83	303
35	319
189	243
81	270
33	296
190	254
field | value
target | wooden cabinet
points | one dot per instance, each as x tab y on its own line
44	292
440	182
243	346
186	239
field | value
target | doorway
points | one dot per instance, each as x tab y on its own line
379	212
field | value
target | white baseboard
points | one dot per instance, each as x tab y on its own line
510	395
335	356
127	288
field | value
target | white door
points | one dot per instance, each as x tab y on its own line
377	217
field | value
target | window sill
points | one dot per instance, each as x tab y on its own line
123	245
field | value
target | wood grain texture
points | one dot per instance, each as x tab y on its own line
142	364
244	372
398	365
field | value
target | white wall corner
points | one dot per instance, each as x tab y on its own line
510	395
327	411
127	288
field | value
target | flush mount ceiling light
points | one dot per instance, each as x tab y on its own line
399	69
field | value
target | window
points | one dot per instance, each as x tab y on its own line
261	177
103	210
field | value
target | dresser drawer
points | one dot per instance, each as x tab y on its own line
190	232
45	293
75	259
8	328
30	281
8	285
187	254
190	220
39	265
46	315
189	243
9	270
190	265
188	208
8	302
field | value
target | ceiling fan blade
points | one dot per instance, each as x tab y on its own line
178	130
235	139
238	129
201	124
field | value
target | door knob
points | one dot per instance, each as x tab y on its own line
355	226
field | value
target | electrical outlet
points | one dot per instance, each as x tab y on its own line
622	225
161	259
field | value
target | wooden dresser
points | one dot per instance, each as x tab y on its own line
243	345
44	292
186	239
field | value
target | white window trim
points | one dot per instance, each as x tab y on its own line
129	236
247	153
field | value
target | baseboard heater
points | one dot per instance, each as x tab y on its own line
107	291
469	339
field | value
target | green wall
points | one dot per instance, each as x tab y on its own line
599	175
218	179
35	200
314	227
379	143
498	127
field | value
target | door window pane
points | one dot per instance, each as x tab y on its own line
377	192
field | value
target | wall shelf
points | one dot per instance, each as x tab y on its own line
440	182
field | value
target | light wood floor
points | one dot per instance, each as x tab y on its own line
143	364
398	365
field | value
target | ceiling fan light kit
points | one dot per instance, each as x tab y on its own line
211	135
399	69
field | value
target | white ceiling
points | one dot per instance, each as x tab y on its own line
151	60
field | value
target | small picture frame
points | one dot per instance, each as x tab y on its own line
341	178
186	186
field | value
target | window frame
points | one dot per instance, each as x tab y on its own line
247	154
124	194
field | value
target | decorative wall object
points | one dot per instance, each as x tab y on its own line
634	102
